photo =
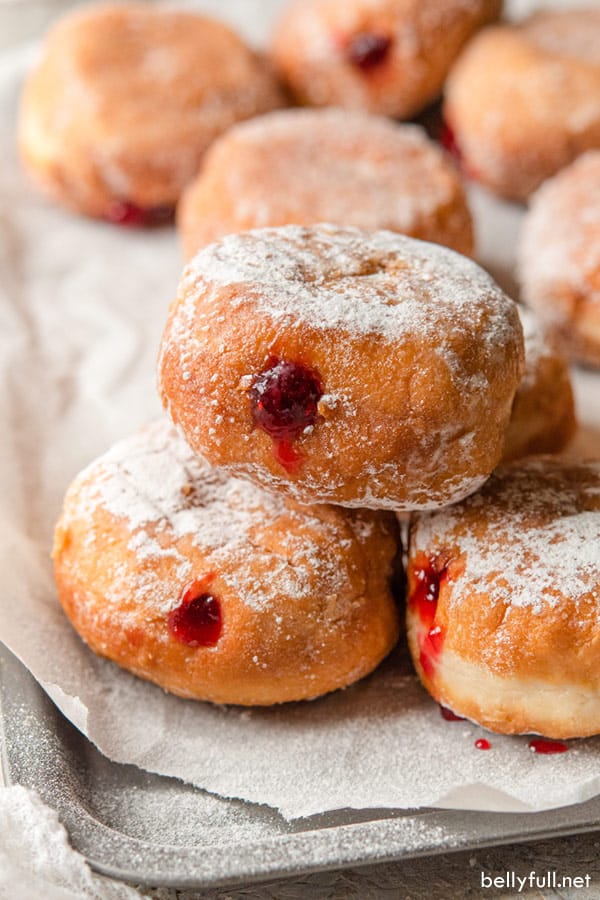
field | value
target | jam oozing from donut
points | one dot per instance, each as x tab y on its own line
483	744
449	142
450	716
367	51
539	745
428	575
197	621
286	454
284	400
122	212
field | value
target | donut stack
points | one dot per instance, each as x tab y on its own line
303	367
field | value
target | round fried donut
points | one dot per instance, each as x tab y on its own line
218	590
560	257
117	114
504	602
346	168
523	100
383	56
338	365
543	413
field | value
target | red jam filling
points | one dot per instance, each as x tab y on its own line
122	212
197	621
286	454
366	51
483	744
539	745
284	402
449	716
449	142
428	575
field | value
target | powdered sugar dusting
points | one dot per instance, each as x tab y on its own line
345	167
560	250
551	511
75	102
165	494
538	347
377	283
569	33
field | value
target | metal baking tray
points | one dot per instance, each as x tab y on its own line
160	832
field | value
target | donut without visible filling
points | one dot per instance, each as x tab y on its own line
338	365
504	601
215	589
560	257
523	100
543	413
118	112
383	56
309	166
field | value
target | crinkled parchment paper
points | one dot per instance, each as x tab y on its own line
82	306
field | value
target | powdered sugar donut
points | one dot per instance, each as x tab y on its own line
309	166
560	257
523	100
543	413
215	589
385	56
338	365
504	603
117	113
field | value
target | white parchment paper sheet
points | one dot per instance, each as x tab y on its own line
82	306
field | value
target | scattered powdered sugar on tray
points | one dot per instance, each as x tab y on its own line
529	538
380	743
36	859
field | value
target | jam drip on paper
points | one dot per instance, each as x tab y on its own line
539	745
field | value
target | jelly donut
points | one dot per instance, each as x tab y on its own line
215	589
523	100
308	166
543	413
383	56
560	257
504	602
125	99
337	365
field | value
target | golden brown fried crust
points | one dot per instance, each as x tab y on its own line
311	50
126	99
331	625
309	166
519	600
399	426
543	414
522	100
